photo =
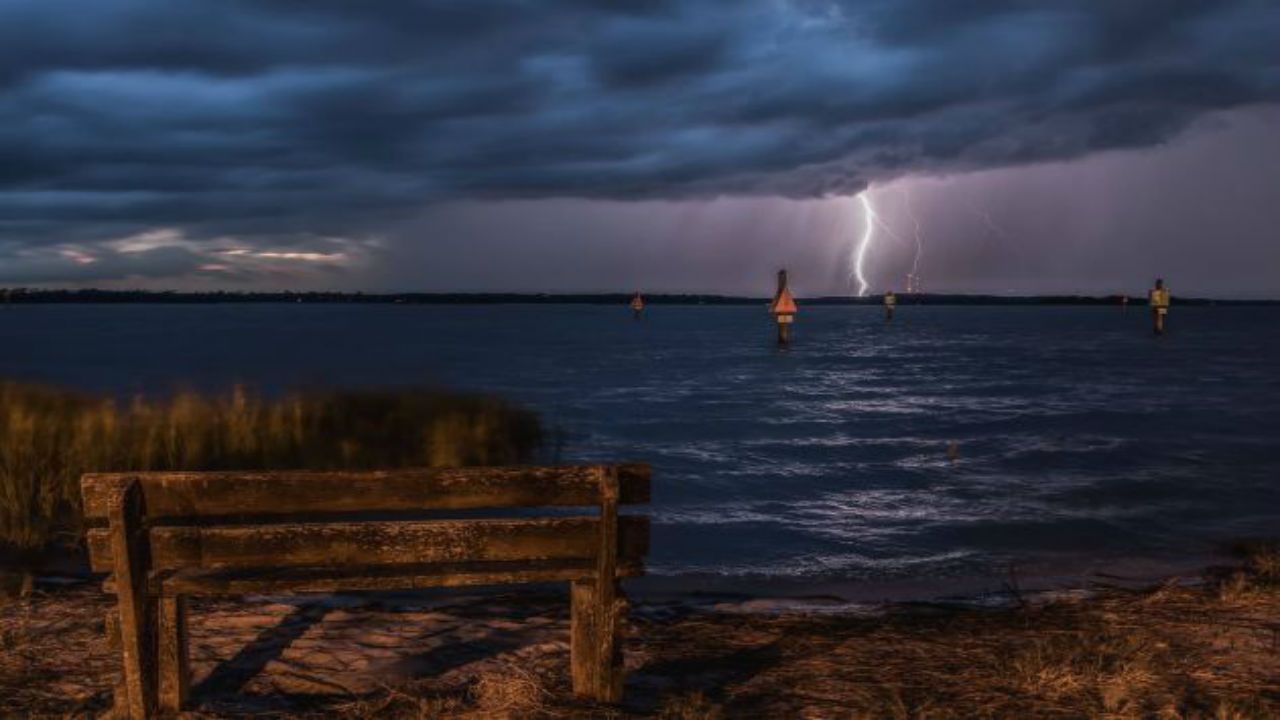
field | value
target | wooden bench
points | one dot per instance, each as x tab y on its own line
167	535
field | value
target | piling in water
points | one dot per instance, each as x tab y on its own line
1158	299
784	309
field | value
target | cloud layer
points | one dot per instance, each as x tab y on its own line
275	123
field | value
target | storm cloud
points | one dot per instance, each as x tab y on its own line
267	125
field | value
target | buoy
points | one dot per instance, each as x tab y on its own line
637	305
784	309
890	302
1158	299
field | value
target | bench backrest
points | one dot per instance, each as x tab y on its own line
296	519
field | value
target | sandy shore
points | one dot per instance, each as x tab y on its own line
1204	647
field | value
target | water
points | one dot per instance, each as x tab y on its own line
1081	438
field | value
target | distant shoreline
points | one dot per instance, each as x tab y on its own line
54	297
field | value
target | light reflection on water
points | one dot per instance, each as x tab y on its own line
1078	435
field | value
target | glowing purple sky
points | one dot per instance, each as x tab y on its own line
695	146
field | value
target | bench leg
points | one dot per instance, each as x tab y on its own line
595	643
171	653
120	702
137	657
130	546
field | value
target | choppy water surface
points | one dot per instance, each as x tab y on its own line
1080	437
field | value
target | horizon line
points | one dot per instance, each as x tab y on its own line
39	295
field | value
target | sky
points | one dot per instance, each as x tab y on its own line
612	145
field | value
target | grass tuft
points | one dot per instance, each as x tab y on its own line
514	693
693	706
1262	561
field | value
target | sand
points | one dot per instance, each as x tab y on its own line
1192	647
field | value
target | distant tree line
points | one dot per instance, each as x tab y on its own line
44	296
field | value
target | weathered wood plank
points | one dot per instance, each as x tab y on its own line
111	626
583	636
171	653
393	577
609	653
596	614
596	634
119	702
127	537
375	543
197	494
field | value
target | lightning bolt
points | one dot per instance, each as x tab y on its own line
868	234
985	217
913	277
870	221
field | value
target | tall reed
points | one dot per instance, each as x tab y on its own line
49	437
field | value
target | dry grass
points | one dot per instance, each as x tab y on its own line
514	693
694	706
1261	560
49	437
1257	577
1108	672
1176	652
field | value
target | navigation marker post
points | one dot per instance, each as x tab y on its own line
783	309
1158	299
637	305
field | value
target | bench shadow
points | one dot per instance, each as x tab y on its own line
230	677
450	656
222	690
710	673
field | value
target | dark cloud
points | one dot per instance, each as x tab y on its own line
274	121
1200	212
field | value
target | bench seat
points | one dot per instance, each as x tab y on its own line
389	577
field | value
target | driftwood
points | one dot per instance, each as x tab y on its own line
165	536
